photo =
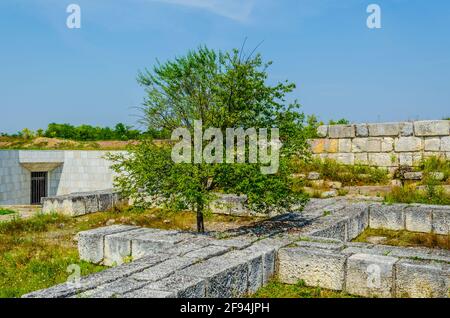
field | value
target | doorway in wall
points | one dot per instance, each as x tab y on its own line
38	186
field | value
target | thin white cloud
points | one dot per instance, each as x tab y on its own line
238	10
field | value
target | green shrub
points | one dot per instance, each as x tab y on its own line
6	211
433	194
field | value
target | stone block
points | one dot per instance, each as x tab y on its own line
361	158
322	131
390	217
370	275
118	246
445	144
182	286
441	221
382	159
149	293
418	218
416	175
387	144
323	268
358	221
344	158
313	176
408	144
207	252
225	276
337	230
362	130
319	146
419	279
341	131
164	269
345	145
432	144
91	243
157	241
384	129
432	128
406	129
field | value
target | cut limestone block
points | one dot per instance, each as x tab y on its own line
182	286
408	144
225	276
164	269
389	217
91	243
155	241
322	131
316	267
358	221
338	230
441	221
362	130
420	279
118	246
413	175
432	128
370	275
341	131
418	218
115	289
384	129
149	293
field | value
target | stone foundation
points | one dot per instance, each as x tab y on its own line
384	144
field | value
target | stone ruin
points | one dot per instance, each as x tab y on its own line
314	246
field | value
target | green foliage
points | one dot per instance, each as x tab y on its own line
223	90
90	133
433	194
276	289
432	165
6	211
347	174
341	121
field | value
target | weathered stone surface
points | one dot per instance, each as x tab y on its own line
164	269
319	146
207	252
406	129
408	144
341	131
418	219
344	158
182	286
432	144
390	217
157	241
445	144
370	275
418	175
362	130
337	230
387	144
322	131
315	267
91	243
432	128
335	246
441	221
359	220
115	289
236	243
117	246
313	176
345	145
438	176
225	276
384	129
382	159
361	158
149	293
419	279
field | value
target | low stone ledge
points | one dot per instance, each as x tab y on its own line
91	243
420	279
316	267
370	275
390	217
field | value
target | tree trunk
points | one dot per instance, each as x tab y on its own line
200	223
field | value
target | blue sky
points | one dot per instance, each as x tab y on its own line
49	73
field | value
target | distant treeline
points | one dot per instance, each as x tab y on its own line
89	133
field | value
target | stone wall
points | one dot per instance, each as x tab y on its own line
69	171
383	144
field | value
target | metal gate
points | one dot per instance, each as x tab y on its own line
38	186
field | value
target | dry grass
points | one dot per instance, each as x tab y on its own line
35	252
407	238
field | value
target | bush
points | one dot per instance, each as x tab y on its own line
347	174
409	194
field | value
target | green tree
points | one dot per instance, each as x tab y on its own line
223	90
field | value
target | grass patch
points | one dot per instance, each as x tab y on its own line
432	165
275	289
346	174
433	194
6	211
35	252
407	238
